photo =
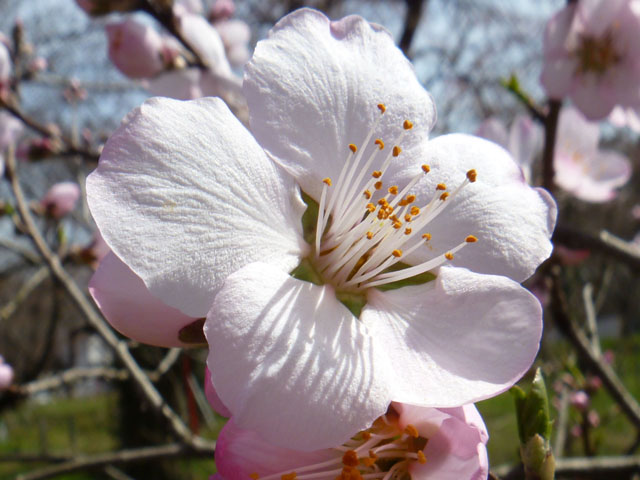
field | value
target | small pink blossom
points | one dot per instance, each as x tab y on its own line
592	55
61	199
135	48
428	443
235	36
6	374
581	168
523	141
579	400
38	64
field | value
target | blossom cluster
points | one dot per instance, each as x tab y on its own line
357	283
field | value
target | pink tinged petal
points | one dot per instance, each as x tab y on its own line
178	84
240	453
61	199
191	6
235	35
131	309
206	41
558	67
291	362
512	221
185	196
5	65
525	142
494	130
626	117
6	375
461	338
222	10
576	134
312	88
212	396
10	129
135	48
596	16
594	97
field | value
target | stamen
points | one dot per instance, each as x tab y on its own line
407	125
353	148
407	231
350	458
289	476
472	175
380	143
369	235
426	168
448	256
327	181
376	174
254	476
396	151
411	431
367	194
444	196
382	107
421	457
414	210
426	236
393	190
471	239
377	185
397	253
441	186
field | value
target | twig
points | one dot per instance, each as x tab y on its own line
583	467
513	86
605	243
570	328
561	425
550	131
69	377
7	311
94	318
89	462
590	313
116	473
166	363
27	253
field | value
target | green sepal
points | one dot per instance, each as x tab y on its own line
355	302
532	410
309	219
307	273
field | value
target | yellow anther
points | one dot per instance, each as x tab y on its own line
426	236
380	143
472	175
382	107
421	458
448	256
394	218
254	476
289	476
444	196
393	190
414	210
369	235
350	458
327	181
371	207
411	431
397	253
366	436
372	455
368	462
353	148
367	194
397	225
411	198
382	215
407	125
396	151
407	231
441	186
383	201
376	174
426	168
377	185
471	239
407	218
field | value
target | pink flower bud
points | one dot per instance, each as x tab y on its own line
6	375
135	49
38	64
580	400
222	10
61	199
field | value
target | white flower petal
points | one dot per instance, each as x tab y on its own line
312	88
461	338
512	221
185	197
291	362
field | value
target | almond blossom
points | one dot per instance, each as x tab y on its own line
61	199
592	55
210	217
581	168
406	442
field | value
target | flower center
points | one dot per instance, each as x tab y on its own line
366	228
596	55
384	451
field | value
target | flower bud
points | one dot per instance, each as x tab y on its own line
135	49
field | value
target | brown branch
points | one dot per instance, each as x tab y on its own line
411	19
550	131
7	311
91	462
94	318
605	243
574	333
